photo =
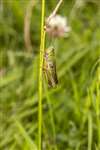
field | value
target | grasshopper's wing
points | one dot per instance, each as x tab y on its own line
51	75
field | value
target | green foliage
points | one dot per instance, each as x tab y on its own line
71	112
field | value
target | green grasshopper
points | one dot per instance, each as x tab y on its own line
49	67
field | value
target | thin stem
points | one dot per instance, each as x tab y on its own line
42	45
51	118
90	131
55	10
98	105
27	23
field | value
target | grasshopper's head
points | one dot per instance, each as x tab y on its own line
50	50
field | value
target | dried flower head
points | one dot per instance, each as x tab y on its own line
57	26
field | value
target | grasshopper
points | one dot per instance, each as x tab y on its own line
49	67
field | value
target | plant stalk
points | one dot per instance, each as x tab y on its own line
42	46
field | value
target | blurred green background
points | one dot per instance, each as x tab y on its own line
71	112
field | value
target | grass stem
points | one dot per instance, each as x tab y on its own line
42	46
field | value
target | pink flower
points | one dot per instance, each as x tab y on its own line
57	26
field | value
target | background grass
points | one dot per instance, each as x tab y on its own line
71	112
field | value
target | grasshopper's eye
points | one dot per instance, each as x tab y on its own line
51	65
